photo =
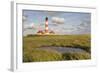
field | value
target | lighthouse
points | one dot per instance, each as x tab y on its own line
46	30
46	25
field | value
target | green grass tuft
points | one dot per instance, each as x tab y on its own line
37	55
76	56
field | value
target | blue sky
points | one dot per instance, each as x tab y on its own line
59	22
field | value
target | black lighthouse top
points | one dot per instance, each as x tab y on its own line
46	18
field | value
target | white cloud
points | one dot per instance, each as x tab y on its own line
58	20
29	26
24	18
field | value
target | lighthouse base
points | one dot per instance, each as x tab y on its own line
45	33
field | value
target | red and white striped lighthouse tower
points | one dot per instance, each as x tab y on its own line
46	31
46	25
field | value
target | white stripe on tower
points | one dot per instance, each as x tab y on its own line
46	22
46	26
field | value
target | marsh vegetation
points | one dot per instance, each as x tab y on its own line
34	47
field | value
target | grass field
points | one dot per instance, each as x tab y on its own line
33	43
